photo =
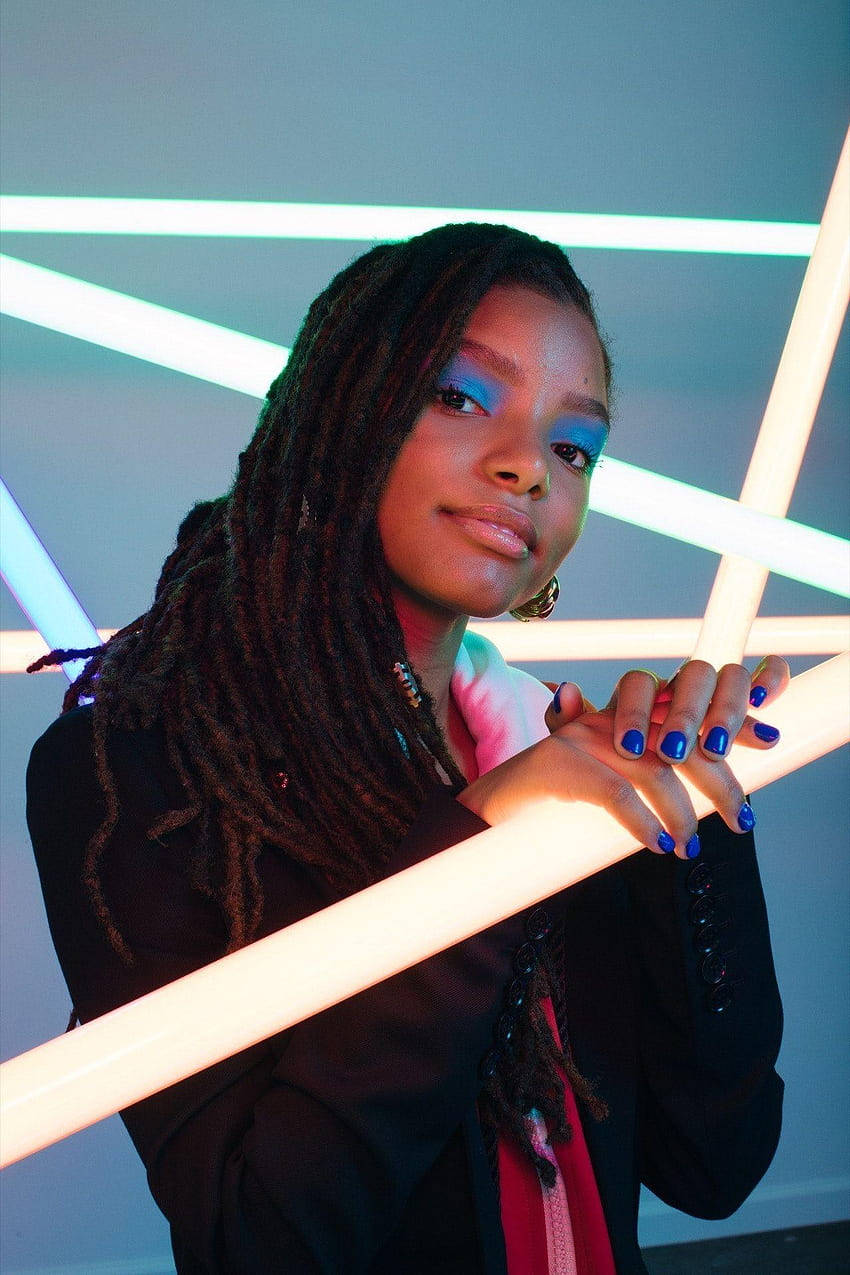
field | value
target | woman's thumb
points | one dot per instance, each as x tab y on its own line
567	704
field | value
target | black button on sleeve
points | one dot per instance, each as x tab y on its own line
525	958
699	880
538	925
708	938
515	993
701	910
506	1027
720	998
713	968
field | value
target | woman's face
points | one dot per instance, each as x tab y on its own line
489	491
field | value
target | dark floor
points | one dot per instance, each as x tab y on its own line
806	1250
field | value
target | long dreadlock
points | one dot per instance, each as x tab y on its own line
271	641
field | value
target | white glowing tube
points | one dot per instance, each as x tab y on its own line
37	584
788	419
369	222
177	1030
571	639
146	331
626	639
709	521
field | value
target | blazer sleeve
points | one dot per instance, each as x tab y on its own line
709	1023
301	1152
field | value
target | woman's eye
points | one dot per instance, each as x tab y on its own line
446	392
576	457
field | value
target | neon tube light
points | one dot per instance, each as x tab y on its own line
53	214
249	365
647	639
788	419
37	584
139	328
708	521
142	1047
571	639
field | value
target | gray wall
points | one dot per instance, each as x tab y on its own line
723	110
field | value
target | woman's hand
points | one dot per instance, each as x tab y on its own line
585	758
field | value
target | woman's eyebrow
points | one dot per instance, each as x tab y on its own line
510	371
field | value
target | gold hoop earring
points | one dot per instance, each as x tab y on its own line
541	605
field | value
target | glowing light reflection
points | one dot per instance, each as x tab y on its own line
54	214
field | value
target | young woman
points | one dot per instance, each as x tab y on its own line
301	712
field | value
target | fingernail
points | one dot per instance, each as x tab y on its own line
556	702
746	817
692	847
758	695
674	744
666	842
632	741
717	740
767	734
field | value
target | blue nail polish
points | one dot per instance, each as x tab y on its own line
632	741
758	695
556	702
674	744
746	817
716	740
692	847
666	842
767	734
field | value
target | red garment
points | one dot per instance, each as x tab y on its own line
528	1239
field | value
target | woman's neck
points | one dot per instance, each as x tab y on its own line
432	640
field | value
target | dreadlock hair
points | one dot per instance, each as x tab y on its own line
270	645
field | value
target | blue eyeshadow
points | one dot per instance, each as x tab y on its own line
582	431
469	380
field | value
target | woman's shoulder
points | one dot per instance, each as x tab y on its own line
63	760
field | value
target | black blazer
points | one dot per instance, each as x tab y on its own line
350	1143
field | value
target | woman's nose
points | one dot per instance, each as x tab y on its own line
521	468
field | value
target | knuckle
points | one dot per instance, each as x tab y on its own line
658	771
689	716
728	708
619	792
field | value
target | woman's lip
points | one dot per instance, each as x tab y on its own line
502	514
492	535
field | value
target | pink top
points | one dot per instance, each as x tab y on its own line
557	1232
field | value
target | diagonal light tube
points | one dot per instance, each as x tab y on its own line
38	586
788	419
152	332
253	219
69	1083
249	365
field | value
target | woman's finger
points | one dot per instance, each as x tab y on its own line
756	734
692	689
717	781
664	790
726	712
657	782
581	777
632	703
567	704
770	677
